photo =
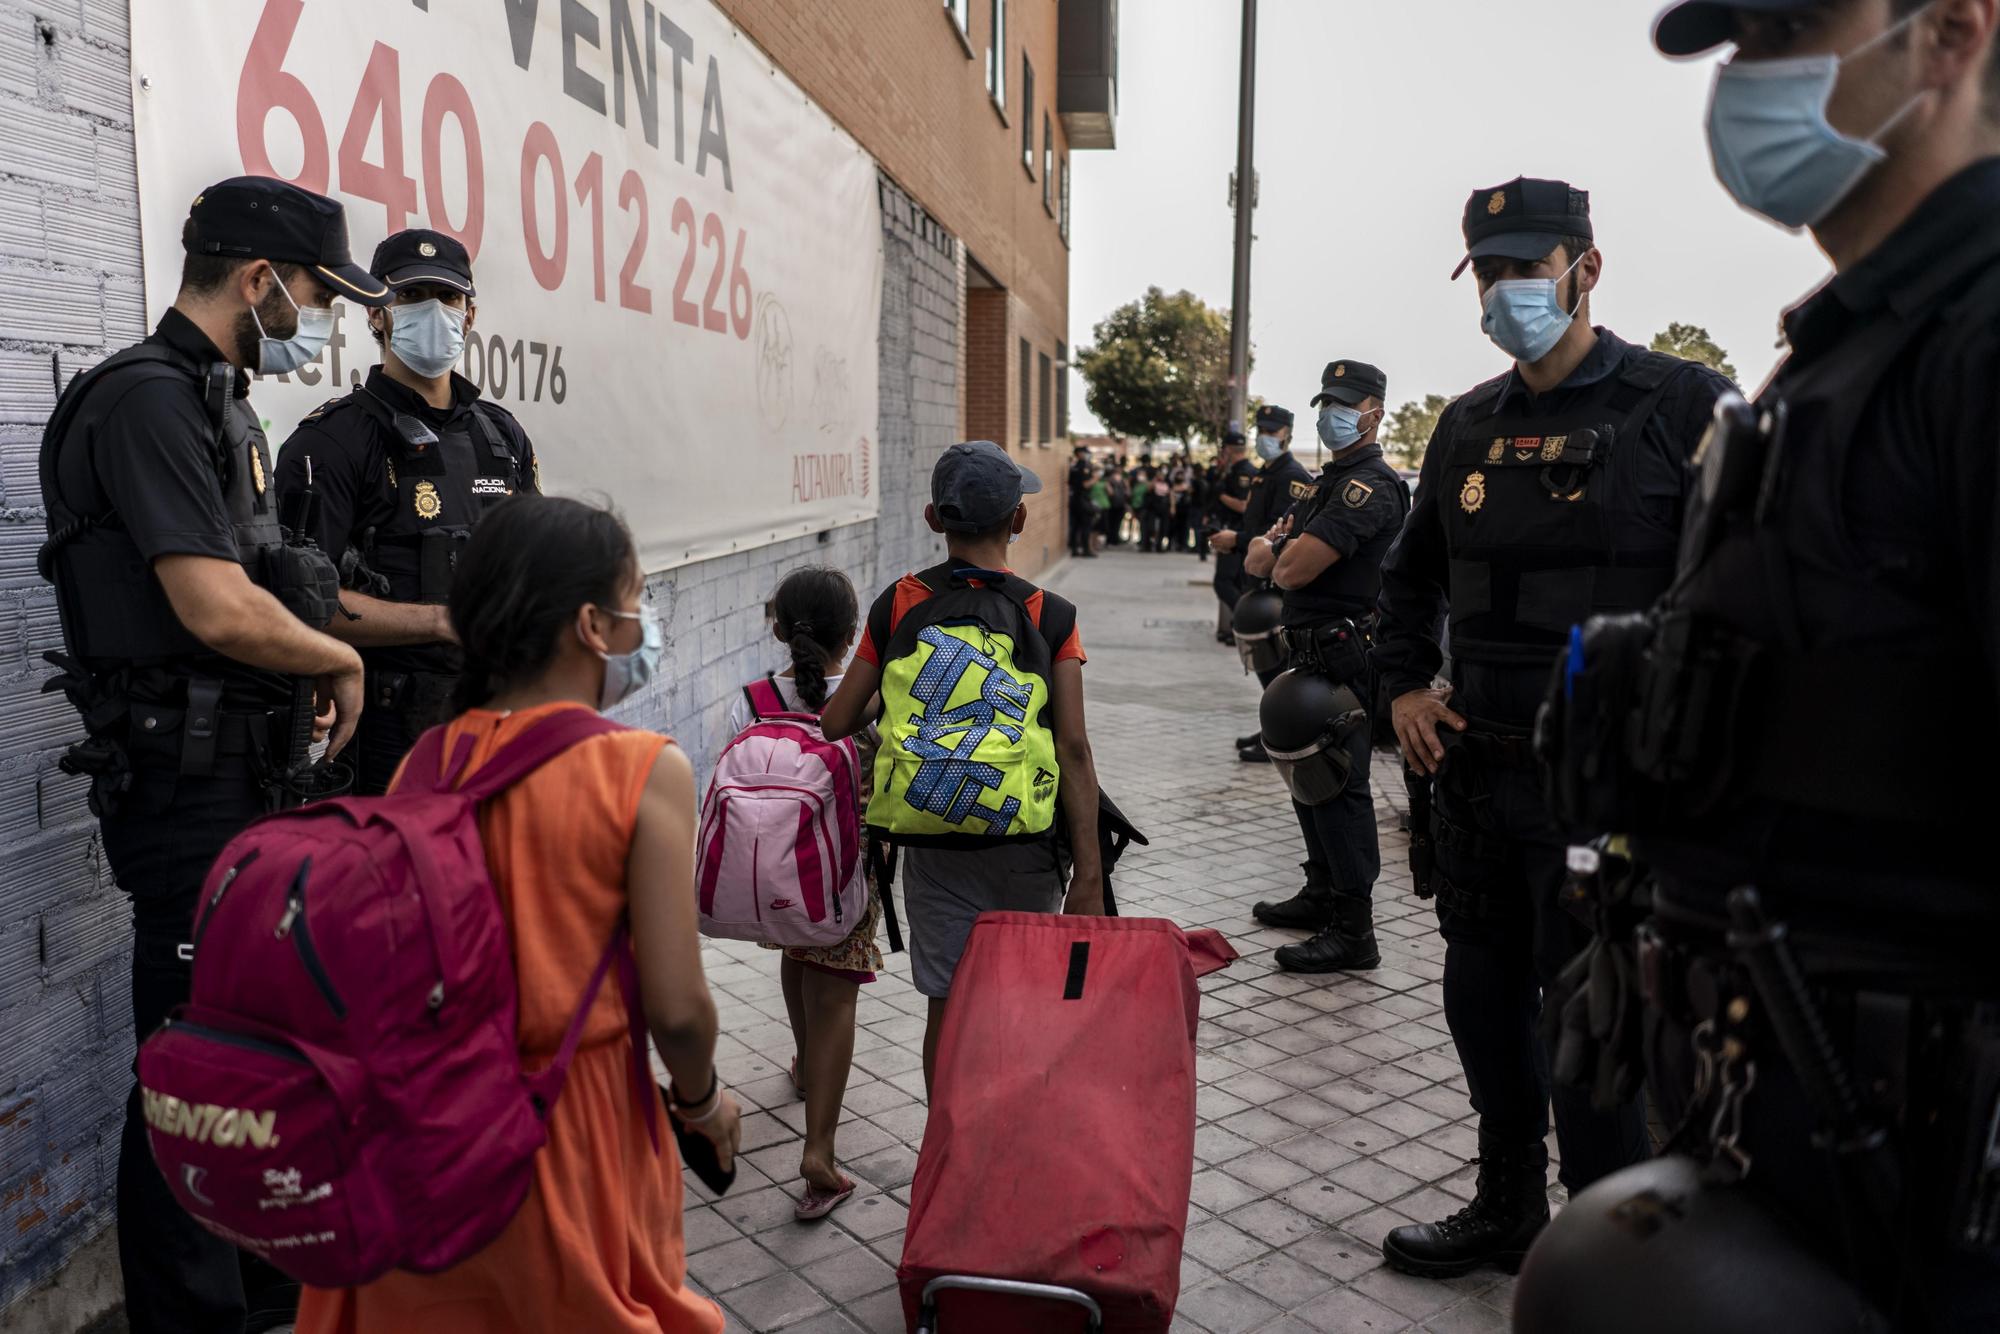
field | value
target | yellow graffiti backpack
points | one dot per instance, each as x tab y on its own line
968	756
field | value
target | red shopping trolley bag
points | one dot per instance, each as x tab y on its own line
1052	1190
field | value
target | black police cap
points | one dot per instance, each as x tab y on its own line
1701	25
255	217
1274	417
1524	219
1232	436
421	256
1350	382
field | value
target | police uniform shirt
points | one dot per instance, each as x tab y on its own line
1235	484
1357	508
1408	650
141	447
355	462
1277	485
1889	523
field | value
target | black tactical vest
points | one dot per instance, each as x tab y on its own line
441	488
1551	517
111	603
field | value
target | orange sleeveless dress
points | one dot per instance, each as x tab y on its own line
598	1244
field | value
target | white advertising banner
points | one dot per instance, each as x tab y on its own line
678	256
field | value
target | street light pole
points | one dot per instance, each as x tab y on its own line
1246	201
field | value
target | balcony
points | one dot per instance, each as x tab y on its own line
1087	72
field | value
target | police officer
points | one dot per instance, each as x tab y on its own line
1835	609
400	469
169	568
1552	491
1229	497
1326	554
1281	480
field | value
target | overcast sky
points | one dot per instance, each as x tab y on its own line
1374	122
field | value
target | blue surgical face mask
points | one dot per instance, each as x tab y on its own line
427	336
626	674
1340	426
1524	316
282	356
1269	446
1774	148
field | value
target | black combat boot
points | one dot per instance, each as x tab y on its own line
1308	910
1253	753
1245	742
1509	1210
1346	944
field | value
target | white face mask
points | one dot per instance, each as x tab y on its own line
1524	317
626	674
1269	446
427	336
282	356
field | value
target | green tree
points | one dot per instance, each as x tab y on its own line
1159	368
1409	429
1692	341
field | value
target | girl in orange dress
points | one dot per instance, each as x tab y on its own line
547	605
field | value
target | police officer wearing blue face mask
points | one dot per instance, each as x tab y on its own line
1281	481
1845	534
1326	555
1551	492
399	471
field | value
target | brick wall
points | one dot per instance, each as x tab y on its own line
69	265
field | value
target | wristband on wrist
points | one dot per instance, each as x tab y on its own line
711	1100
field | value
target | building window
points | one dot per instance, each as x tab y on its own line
960	14
1027	116
1042	368
1063	221
996	57
1048	165
1027	402
1062	391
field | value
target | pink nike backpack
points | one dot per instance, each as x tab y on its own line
343	1093
778	859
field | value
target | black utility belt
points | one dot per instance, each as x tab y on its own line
1337	649
201	739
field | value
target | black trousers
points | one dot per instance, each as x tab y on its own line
1340	834
1507	940
1082	521
1228	582
160	844
387	732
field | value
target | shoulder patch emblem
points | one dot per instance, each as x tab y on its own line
257	468
1355	494
1552	448
1301	490
428	503
1473	494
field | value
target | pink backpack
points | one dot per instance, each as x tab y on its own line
779	855
343	1093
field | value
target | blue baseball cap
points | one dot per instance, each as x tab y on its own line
975	486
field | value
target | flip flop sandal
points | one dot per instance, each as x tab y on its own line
797	1087
817	1203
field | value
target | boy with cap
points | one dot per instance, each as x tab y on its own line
189	624
399	471
976	502
1551	492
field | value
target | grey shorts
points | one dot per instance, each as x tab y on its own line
944	890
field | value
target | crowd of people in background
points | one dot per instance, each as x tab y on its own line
1159	503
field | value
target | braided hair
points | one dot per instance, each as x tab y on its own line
531	562
815	612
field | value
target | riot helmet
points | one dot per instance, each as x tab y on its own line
1260	614
1661	1248
1308	724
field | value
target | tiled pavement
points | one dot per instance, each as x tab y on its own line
1331	1109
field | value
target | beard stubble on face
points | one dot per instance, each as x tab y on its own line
280	321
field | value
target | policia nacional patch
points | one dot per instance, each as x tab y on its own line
1355	494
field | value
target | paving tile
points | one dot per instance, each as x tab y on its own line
1471	1316
1218	1192
774	1302
1326	1201
736	1263
704	1228
1276	1225
1375	1179
852	1273
872	1217
1345	1311
1222	1247
1282	1280
1266	1171
1336	1253
1315	1151
1224	1307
